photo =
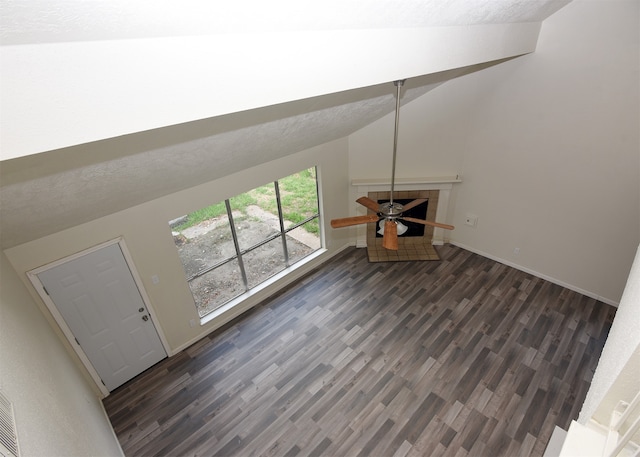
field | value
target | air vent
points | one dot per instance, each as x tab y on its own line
8	435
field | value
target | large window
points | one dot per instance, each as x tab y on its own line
233	246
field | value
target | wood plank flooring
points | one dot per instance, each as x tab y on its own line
459	357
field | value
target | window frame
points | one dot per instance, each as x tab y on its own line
282	234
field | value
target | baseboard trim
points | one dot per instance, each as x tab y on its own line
537	274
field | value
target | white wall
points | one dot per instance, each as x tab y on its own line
57	412
547	145
148	238
552	158
617	376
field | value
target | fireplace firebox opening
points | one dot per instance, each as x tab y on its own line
419	212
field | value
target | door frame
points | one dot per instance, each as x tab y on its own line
57	316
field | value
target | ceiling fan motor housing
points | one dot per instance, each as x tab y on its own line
391	210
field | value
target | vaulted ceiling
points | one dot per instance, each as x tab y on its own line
107	104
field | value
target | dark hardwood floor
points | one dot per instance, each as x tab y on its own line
459	357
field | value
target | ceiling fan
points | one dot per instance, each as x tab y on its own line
390	212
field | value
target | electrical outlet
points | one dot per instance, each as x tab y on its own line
516	251
155	279
471	220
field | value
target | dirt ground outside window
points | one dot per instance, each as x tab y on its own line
209	242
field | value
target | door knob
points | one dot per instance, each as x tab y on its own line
145	318
141	310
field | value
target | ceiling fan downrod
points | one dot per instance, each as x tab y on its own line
391	209
390	213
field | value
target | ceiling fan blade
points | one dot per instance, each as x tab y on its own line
413	204
355	220
390	236
371	204
432	224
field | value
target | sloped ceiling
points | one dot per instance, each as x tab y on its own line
44	21
96	161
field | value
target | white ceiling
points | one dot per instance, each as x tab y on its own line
44	21
85	168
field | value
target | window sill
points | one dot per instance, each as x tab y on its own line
232	304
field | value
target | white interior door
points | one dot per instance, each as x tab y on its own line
102	306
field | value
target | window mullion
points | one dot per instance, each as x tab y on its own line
210	268
300	224
234	235
281	220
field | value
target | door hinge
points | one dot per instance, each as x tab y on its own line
45	290
77	342
103	383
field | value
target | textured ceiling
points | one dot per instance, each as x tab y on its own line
43	21
51	191
43	194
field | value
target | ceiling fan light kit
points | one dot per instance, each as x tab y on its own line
402	229
388	214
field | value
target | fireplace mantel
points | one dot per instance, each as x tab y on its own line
444	184
434	180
